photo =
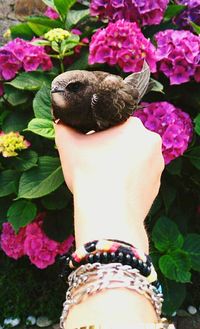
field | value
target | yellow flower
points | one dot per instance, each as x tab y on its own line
57	35
12	142
7	34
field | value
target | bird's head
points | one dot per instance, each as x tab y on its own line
71	94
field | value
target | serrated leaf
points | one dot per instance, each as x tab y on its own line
39	29
30	80
63	6
192	246
21	30
42	103
173	10
42	180
14	96
21	213
8	182
81	63
166	235
45	21
49	3
175	266
25	161
174	296
76	16
15	121
42	127
168	193
197	124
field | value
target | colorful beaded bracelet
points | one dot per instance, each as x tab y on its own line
112	251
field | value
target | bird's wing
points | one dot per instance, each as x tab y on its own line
139	80
113	103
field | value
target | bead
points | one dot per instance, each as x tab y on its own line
104	257
113	257
91	259
128	259
90	247
97	257
134	262
120	257
140	265
144	270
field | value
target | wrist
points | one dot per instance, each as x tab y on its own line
107	212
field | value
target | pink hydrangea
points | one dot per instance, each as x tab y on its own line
171	123
33	242
146	12
12	244
51	13
122	43
20	54
178	55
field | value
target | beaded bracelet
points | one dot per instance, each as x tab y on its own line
112	251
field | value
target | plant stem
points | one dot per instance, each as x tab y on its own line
62	66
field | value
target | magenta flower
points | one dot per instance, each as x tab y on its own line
20	54
33	242
122	43
190	14
178	55
51	13
171	123
146	12
12	244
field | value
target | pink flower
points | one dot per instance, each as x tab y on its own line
171	123
178	55
124	44
64	247
20	54
146	12
11	243
51	13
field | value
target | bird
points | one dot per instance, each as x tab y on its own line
97	100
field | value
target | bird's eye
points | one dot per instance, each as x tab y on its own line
74	86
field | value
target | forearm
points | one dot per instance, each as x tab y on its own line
107	214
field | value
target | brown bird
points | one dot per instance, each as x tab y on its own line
87	100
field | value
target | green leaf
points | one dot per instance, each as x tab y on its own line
156	86
8	182
42	180
76	16
15	121
42	127
168	193
194	156
166	235
21	213
81	63
174	296
39	29
195	27
58	199
45	21
30	80
175	166
14	96
42	103
192	246
173	10
25	161
49	3
63	6
197	124
21	30
176	266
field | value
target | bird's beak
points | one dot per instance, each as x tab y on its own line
57	90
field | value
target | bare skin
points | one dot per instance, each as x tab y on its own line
114	176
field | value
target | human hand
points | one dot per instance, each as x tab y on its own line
114	174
